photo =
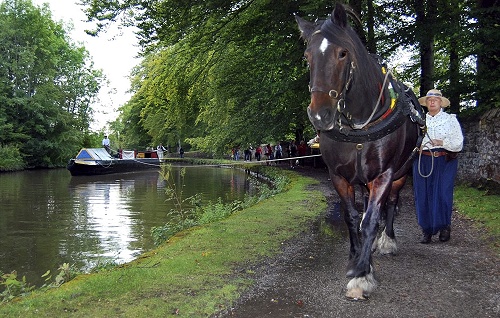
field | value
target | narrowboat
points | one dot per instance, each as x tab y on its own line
97	161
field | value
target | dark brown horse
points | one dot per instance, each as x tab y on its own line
370	129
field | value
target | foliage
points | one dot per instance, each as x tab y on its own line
219	74
10	158
13	287
66	273
47	85
189	212
482	207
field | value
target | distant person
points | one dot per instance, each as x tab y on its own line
160	150
269	152
106	144
435	170
181	152
248	154
278	150
258	153
302	152
292	153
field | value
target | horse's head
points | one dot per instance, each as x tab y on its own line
333	50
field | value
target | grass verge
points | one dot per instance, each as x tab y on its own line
482	208
195	274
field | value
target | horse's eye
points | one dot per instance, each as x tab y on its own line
343	54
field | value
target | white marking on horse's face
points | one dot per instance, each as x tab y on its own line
323	46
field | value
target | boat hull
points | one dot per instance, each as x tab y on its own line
99	167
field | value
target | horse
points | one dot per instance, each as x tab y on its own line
370	128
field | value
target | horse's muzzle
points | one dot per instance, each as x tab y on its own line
323	119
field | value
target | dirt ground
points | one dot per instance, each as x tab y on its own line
459	278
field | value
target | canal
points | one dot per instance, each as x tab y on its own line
48	218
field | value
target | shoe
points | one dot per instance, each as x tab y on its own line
444	234
426	238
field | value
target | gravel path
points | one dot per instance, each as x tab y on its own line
459	278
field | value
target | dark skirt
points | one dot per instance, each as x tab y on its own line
434	194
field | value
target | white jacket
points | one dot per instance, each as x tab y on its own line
445	127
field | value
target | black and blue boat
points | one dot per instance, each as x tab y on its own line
97	161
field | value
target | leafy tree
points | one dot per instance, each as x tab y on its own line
487	15
47	85
222	73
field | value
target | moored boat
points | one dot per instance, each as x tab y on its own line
97	161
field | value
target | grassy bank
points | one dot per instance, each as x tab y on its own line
483	209
195	274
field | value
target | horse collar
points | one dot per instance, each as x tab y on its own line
401	106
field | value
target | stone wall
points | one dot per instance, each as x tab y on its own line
480	157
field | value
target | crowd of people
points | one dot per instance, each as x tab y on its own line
280	152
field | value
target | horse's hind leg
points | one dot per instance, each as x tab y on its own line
386	244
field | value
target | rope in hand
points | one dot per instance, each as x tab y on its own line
420	157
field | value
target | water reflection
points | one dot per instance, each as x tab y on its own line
48	217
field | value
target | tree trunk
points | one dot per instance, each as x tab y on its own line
356	5
370	24
426	16
454	93
451	13
488	63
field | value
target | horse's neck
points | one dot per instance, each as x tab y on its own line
362	99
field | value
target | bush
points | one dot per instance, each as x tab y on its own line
213	211
11	158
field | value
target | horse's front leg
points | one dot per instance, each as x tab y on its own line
387	242
363	282
351	215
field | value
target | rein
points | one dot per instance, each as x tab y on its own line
377	104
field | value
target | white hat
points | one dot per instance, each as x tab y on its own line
445	102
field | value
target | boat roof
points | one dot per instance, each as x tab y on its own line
93	154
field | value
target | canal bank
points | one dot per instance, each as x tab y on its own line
197	273
281	261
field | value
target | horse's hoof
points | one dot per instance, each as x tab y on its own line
356	294
387	245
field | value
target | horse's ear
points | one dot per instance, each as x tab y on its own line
306	28
339	15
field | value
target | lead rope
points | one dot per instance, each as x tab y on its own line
420	157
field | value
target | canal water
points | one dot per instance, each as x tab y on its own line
48	217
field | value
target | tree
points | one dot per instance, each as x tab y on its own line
47	85
226	73
487	14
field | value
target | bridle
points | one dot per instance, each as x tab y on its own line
349	74
340	97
